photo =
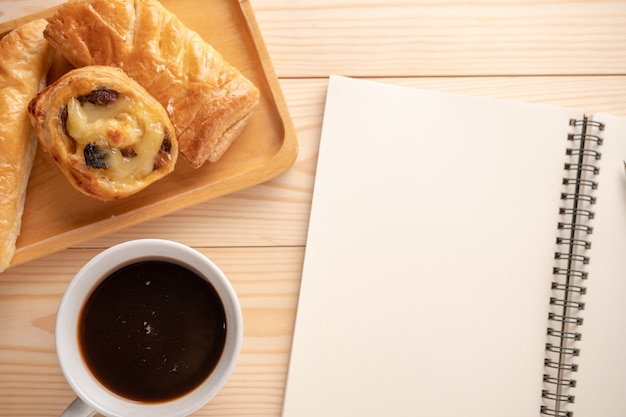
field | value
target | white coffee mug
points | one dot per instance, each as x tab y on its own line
92	396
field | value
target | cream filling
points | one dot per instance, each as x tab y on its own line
123	125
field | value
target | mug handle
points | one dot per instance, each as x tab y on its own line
78	409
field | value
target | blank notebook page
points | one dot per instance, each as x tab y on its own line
429	255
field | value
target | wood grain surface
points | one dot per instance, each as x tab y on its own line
554	52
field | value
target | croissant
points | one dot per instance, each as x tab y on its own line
108	136
208	100
25	57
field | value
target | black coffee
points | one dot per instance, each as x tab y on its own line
152	331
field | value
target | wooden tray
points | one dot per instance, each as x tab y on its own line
56	216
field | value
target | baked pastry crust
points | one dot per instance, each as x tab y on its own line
208	100
105	132
25	58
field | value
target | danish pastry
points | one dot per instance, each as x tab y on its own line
108	136
25	57
207	99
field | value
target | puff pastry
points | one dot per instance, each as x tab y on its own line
109	137
25	57
208	100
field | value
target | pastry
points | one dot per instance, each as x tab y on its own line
108	136
208	100
25	57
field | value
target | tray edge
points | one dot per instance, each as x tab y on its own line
279	163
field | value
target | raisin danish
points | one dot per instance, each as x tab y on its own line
25	57
208	100
109	137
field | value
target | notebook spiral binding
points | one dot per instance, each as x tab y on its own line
569	275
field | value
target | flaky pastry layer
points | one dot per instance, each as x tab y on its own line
25	57
208	100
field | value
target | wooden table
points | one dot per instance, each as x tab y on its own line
570	53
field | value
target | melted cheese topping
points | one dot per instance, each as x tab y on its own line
123	125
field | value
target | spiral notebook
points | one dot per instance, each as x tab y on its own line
465	257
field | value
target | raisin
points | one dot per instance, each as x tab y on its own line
94	157
164	152
128	153
63	119
101	96
166	145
